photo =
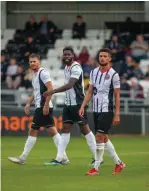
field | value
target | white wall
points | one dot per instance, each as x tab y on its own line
146	8
3	16
19	12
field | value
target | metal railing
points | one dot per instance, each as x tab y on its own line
129	106
20	96
76	11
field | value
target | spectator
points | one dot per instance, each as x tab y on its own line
29	49
128	67
79	28
12	81
47	30
136	90
125	88
129	20
87	68
4	66
138	73
28	79
147	74
84	56
139	48
115	47
20	75
31	26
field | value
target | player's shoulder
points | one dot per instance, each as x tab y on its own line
95	70
75	65
44	71
112	71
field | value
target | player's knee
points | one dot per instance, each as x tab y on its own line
106	138
100	137
84	129
52	131
33	132
66	128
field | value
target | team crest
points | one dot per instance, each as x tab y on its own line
107	77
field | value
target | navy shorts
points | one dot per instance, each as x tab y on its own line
71	115
41	120
103	122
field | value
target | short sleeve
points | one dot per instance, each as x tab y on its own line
91	78
76	72
116	81
45	76
133	44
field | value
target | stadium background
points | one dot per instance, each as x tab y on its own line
103	20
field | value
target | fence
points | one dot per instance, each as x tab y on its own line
134	116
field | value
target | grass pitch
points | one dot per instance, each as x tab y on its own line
34	176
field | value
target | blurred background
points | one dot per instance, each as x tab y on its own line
46	28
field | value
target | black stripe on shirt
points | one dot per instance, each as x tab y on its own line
110	95
100	78
97	104
43	88
97	76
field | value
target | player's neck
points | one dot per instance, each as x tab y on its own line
36	70
105	68
70	64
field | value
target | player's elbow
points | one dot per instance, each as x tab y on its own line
69	86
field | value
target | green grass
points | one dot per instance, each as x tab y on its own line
34	176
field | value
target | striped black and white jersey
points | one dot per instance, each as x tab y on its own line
75	95
103	88
38	82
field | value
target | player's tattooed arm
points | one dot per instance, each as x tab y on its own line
117	100
67	86
30	100
48	98
116	119
88	96
28	103
49	88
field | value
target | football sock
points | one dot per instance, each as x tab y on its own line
65	138
30	142
99	154
57	139
90	138
109	147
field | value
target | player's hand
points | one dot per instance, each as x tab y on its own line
48	93
27	109
116	120
46	110
81	112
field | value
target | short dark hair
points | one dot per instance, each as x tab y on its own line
68	48
79	17
12	58
33	55
107	50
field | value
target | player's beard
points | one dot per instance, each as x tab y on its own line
34	68
103	64
68	62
